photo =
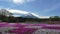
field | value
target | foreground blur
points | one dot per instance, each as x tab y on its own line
24	28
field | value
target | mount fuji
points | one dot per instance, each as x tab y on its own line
28	15
24	14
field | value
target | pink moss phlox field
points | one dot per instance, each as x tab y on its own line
23	30
51	27
20	28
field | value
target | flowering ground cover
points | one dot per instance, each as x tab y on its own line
21	28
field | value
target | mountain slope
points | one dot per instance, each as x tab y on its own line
29	15
24	14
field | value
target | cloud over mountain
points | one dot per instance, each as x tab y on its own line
21	1
22	13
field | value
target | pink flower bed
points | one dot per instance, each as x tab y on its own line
20	28
23	31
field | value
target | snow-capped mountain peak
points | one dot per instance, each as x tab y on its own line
25	14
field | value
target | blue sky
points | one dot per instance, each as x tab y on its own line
39	7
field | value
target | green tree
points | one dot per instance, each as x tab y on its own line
55	18
4	15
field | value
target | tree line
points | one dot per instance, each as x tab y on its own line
20	19
9	18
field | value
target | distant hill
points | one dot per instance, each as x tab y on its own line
5	12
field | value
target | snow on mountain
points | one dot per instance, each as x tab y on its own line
24	14
29	15
19	13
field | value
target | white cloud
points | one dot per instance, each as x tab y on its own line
25	12
21	12
35	15
17	11
44	16
21	1
40	16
